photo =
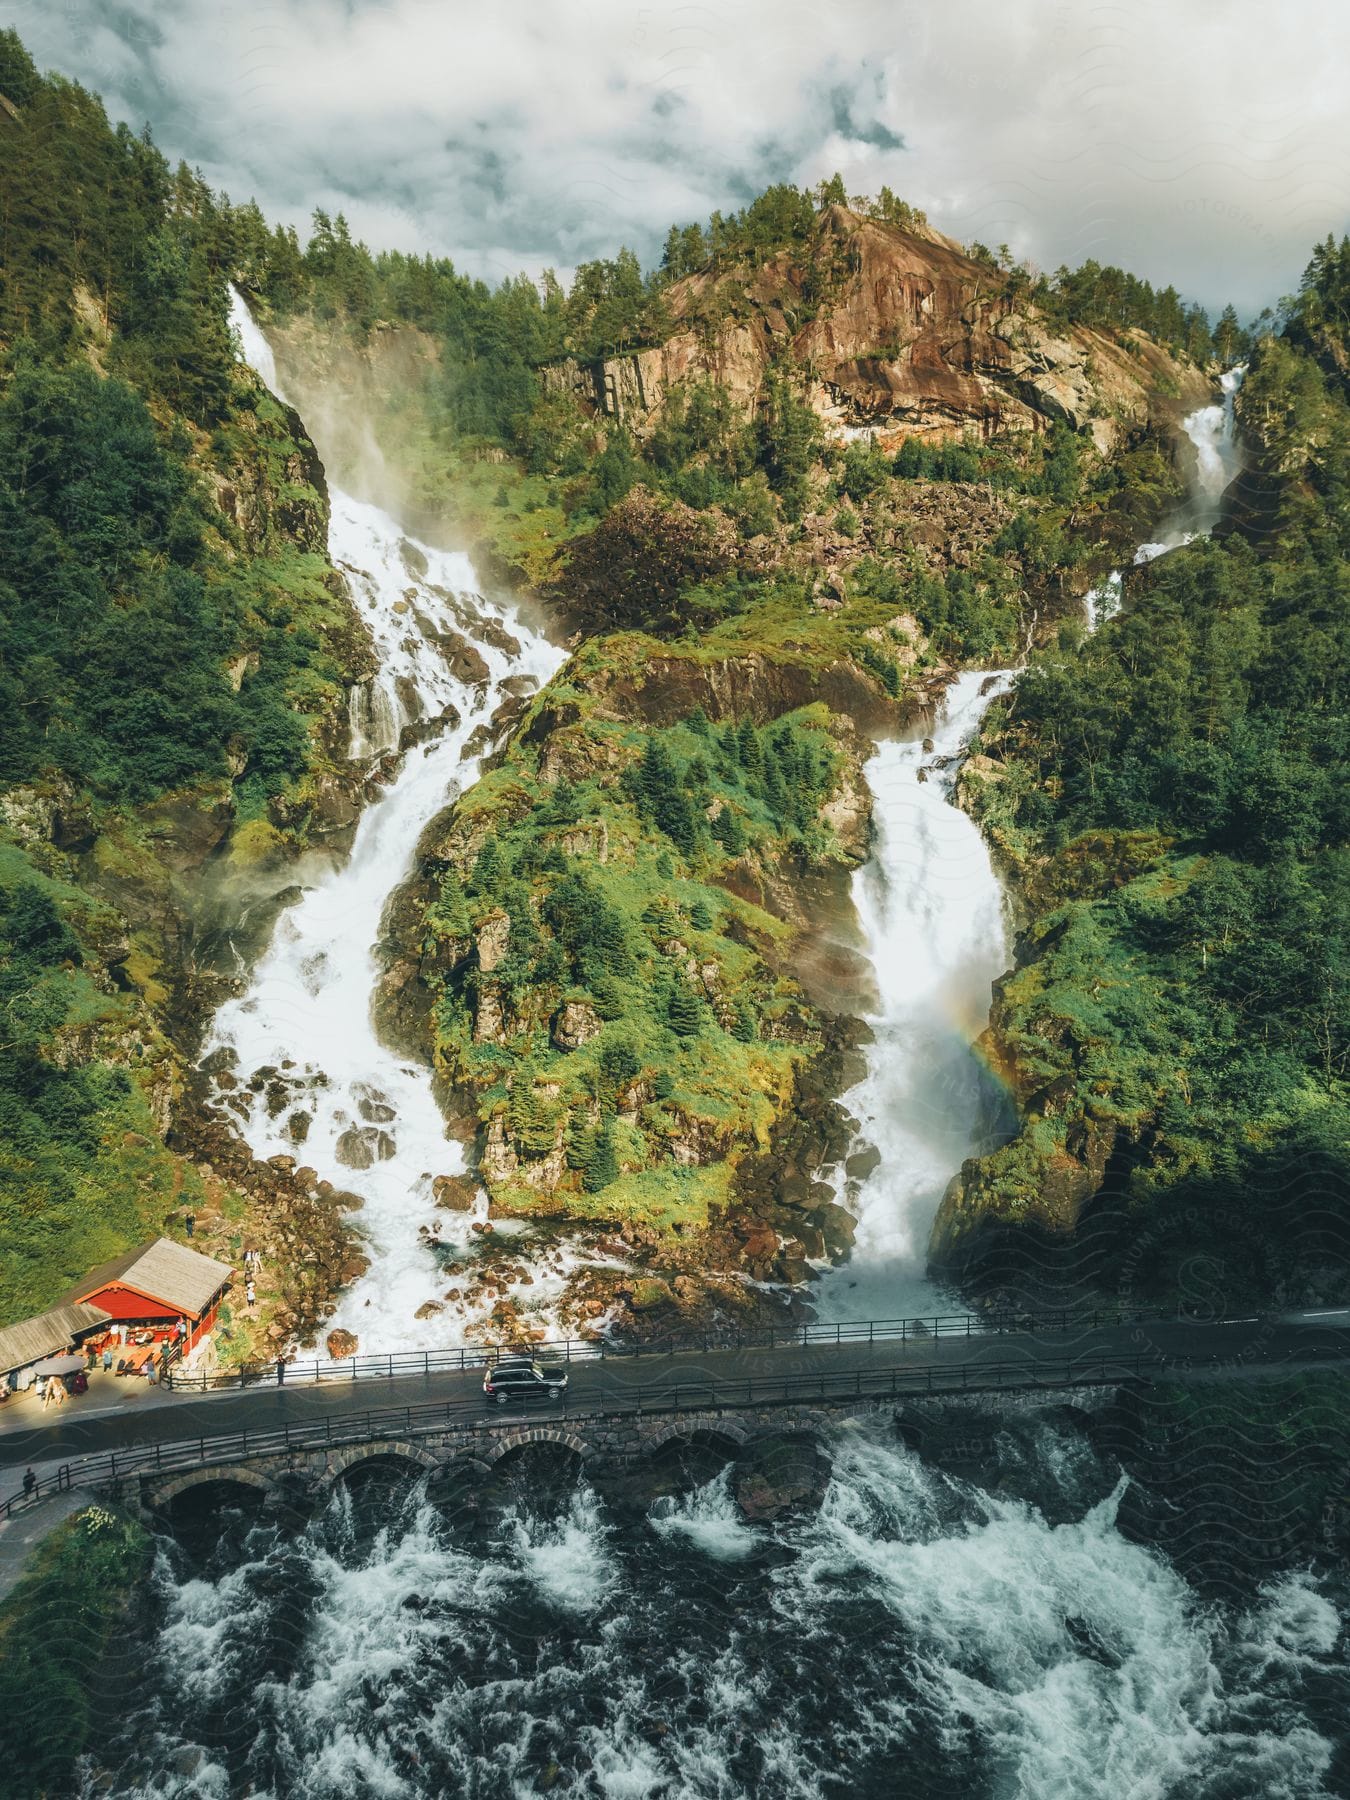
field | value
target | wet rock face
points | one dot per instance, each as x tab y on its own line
456	1193
362	1146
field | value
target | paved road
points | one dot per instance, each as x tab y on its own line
144	1416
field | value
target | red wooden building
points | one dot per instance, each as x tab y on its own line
150	1289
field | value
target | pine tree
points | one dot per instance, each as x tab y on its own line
685	1012
1227	336
602	1162
700	916
746	1029
661	919
749	750
729	832
448	915
533	1116
487	869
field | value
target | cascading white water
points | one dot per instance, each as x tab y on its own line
932	913
1212	431
996	1635
333	1094
931	909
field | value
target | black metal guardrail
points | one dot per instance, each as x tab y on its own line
698	1394
769	1337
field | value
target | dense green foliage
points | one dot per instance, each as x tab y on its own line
55	1630
1188	974
641	955
120	600
95	227
1318	316
112	643
156	651
82	1173
1112	298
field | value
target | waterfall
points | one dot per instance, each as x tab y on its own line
932	914
931	910
1212	432
313	1079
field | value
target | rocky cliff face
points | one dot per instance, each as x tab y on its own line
908	336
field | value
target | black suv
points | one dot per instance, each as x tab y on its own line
523	1378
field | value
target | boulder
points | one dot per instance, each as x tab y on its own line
492	938
456	1193
341	1344
360	1146
575	1023
780	1475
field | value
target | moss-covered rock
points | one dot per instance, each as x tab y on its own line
599	949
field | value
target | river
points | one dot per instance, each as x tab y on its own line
927	1631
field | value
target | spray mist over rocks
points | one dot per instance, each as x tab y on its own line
368	1118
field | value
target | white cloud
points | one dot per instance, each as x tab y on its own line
1203	143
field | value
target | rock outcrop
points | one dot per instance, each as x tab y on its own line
911	336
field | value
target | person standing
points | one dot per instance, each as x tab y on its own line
250	1295
190	1222
30	1482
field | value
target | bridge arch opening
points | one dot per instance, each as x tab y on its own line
207	1508
685	1459
539	1471
388	1469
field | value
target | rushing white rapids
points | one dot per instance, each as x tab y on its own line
997	1636
1212	431
932	912
306	1013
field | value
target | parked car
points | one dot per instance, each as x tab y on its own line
523	1378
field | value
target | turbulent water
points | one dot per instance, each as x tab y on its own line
932	915
924	1633
336	1097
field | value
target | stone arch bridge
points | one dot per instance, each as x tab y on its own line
621	1410
615	1444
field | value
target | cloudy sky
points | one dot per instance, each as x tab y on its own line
1205	142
